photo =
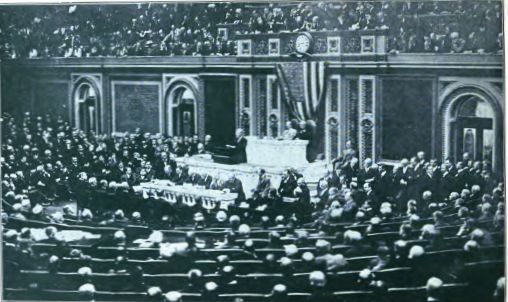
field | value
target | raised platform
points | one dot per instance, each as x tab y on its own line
276	153
248	173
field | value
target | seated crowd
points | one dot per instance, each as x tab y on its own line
192	29
367	232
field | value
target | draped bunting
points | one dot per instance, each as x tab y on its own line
286	92
306	89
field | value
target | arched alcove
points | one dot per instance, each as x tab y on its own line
472	123
181	110
87	106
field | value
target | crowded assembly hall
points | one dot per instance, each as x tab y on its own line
253	151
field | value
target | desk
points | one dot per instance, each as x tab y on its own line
276	153
188	194
249	174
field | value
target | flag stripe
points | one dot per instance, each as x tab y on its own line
306	90
321	80
314	86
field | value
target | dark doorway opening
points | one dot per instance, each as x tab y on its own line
183	110
473	129
220	95
87	114
471	135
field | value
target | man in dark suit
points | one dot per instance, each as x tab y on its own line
262	188
287	184
193	144
205	181
447	182
419	168
180	176
117	171
160	163
129	177
428	181
193	178
461	175
234	185
335	178
403	178
302	206
370	199
350	169
368	173
347	154
82	191
208	144
465	159
238	148
179	147
150	171
303	132
165	166
384	183
324	183
475	174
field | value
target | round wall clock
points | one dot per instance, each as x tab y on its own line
303	43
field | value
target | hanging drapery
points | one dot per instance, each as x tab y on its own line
305	90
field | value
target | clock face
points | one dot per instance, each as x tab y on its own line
302	44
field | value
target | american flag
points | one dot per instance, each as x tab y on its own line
314	76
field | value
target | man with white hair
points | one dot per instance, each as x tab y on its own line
200	149
427	199
211	291
302	206
428	180
205	180
350	168
403	180
319	291
433	288
173	296
86	215
86	292
288	184
367	173
499	292
260	192
476	195
234	185
154	293
238	147
136	218
208	144
278	293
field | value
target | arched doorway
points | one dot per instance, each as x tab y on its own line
86	105
474	128
474	123
181	112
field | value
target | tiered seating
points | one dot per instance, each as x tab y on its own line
192	29
254	278
346	248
